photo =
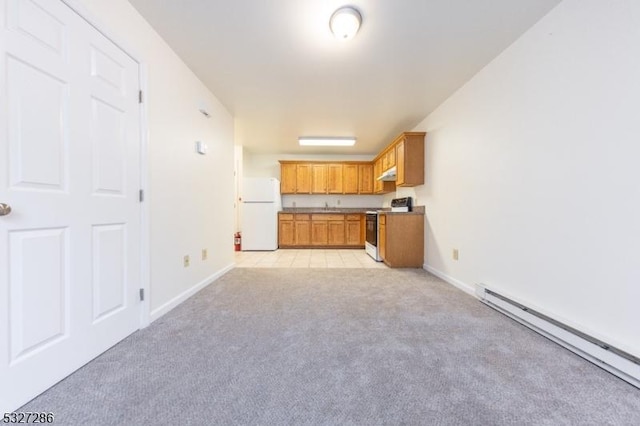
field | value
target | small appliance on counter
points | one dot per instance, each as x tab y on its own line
401	204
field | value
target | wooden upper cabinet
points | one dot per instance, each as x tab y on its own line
303	178
335	183
365	179
391	158
400	168
353	177
288	178
318	178
410	159
350	178
379	186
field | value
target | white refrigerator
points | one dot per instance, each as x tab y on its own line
261	203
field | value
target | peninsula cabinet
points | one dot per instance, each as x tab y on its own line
401	240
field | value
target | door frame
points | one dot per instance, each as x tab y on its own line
145	265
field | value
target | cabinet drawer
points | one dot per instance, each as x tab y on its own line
353	217
286	216
302	217
324	216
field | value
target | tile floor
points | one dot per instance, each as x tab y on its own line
306	258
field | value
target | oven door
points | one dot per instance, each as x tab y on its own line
372	229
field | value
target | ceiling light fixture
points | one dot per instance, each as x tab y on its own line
326	141
345	22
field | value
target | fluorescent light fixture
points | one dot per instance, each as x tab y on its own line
345	22
326	141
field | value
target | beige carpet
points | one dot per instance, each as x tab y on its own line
338	347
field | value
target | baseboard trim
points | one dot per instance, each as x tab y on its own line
454	282
160	311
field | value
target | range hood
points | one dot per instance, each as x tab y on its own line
388	175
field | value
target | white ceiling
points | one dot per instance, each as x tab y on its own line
276	67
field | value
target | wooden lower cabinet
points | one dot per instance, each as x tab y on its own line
319	233
286	231
320	230
302	227
401	240
354	234
335	233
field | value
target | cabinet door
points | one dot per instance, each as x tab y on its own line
288	178
319	236
365	179
303	179
377	171
335	233
318	178
382	238
334	181
303	233
286	235
391	158
353	233
400	162
350	178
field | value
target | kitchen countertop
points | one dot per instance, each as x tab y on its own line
335	210
417	210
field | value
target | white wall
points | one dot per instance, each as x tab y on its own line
532	171
191	196
267	165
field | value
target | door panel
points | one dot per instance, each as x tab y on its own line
108	142
109	270
72	155
38	104
34	254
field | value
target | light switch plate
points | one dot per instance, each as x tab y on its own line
201	147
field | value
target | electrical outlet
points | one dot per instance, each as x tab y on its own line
186	261
455	254
205	254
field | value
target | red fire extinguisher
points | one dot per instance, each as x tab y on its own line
237	241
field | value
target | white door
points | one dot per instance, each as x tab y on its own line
69	169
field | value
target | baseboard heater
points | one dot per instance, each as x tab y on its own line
614	360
